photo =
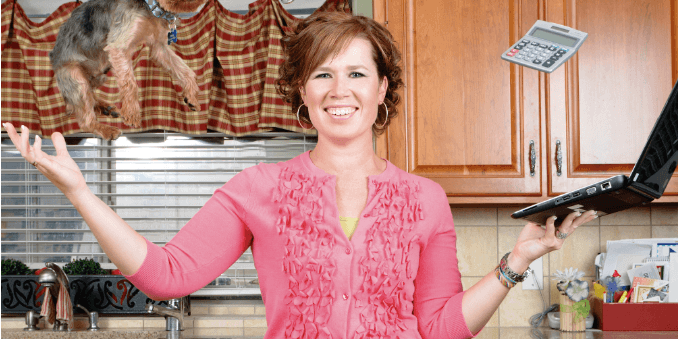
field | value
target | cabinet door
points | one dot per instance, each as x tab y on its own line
467	118
603	103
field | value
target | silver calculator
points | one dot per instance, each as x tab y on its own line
546	46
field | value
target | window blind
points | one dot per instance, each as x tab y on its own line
154	181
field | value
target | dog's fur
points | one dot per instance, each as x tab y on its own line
102	35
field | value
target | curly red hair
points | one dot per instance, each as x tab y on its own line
326	34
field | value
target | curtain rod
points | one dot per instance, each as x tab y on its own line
295	12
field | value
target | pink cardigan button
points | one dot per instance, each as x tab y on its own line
345	296
348	250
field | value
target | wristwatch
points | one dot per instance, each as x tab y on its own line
509	272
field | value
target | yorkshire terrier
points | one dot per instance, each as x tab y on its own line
102	35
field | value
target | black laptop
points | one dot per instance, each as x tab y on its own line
647	181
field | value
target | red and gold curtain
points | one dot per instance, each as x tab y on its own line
235	57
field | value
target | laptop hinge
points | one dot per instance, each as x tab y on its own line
640	189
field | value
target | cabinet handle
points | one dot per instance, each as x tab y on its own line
559	158
533	158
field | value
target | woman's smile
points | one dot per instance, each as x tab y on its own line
343	112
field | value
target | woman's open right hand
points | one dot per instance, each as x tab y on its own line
61	169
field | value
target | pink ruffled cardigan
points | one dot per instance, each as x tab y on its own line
396	278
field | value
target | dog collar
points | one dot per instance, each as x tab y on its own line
160	12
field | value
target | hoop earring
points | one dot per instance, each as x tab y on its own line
299	121
385	120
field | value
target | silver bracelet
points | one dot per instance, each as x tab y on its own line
503	266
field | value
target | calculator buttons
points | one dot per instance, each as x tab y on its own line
536	62
526	41
514	51
553	48
543	46
535	44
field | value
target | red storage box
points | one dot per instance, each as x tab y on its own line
635	316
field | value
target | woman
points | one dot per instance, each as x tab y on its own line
393	275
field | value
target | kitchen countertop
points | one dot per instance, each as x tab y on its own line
17	333
548	333
135	333
197	333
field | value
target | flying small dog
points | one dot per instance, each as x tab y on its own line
102	35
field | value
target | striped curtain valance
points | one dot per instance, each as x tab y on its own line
236	58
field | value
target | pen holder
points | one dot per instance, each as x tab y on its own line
571	319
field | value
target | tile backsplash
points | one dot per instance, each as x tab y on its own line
485	234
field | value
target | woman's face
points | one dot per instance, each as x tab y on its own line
344	92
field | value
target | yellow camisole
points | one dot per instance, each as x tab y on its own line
348	225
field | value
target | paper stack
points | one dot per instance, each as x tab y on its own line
642	267
673	279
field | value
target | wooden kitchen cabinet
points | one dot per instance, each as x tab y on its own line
603	105
468	119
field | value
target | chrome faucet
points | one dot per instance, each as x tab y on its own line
174	314
53	278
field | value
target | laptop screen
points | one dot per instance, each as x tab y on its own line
659	158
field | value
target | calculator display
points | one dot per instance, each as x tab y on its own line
550	36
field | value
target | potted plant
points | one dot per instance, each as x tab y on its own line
97	290
84	266
89	285
14	267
